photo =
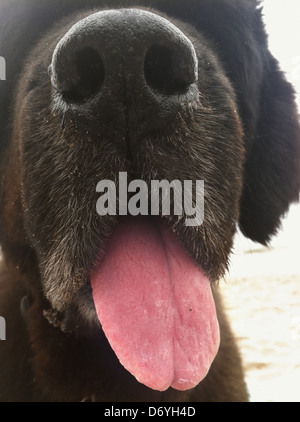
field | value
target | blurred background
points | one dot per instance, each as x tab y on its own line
262	289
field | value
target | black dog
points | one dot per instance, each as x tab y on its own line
186	90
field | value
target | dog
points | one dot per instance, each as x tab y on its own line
116	307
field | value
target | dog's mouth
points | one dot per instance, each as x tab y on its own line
155	305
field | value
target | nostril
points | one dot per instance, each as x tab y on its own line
90	68
80	77
168	71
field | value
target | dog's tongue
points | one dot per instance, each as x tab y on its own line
155	306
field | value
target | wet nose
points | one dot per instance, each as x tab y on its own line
128	55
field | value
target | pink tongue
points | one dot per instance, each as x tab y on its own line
155	306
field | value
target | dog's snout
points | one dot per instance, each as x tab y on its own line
121	55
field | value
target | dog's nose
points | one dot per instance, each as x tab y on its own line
127	56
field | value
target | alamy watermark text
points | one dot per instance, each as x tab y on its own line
2	69
2	329
161	197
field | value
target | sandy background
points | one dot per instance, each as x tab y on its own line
262	296
262	291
